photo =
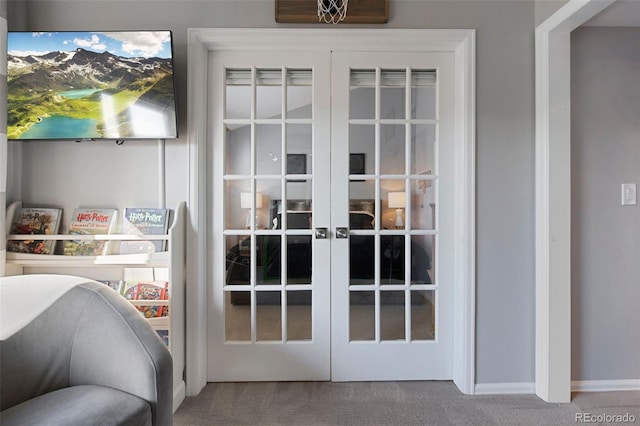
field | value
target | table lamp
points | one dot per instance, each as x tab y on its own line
397	200
245	203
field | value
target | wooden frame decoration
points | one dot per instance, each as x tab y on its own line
358	12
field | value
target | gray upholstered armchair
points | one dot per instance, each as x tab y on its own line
73	352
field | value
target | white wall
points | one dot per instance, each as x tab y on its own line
505	139
605	153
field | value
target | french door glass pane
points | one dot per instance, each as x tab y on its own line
423	102
393	194
362	190
299	315
268	149
299	205
299	140
238	150
423	138
299	93
362	157
361	253
423	315
422	204
392	149
299	255
237	316
268	260
362	319
269	93
362	204
238	259
269	192
362	103
392	260
268	316
238	204
392	315
422	265
393	94
238	100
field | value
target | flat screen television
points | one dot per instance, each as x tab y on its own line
90	85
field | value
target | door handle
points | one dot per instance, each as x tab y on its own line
342	232
321	233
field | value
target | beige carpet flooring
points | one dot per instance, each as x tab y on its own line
387	403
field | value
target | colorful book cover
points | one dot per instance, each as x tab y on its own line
86	221
145	290
144	221
34	221
152	311
156	290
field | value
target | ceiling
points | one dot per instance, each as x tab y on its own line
622	13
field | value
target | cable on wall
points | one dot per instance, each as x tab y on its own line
162	174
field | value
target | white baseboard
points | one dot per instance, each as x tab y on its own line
505	388
178	395
605	385
576	386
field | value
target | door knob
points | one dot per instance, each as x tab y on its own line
321	233
342	232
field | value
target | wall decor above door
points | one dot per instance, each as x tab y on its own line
358	11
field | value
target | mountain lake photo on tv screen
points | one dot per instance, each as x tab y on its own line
90	85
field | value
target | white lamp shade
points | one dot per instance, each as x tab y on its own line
397	200
245	200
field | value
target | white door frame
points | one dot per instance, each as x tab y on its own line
553	197
460	42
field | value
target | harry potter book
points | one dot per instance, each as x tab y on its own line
86	221
34	221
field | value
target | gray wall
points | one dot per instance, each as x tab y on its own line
605	153
546	8
505	139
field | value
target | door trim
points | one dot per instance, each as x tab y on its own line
202	41
553	202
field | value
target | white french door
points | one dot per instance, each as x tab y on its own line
269	305
392	193
331	216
